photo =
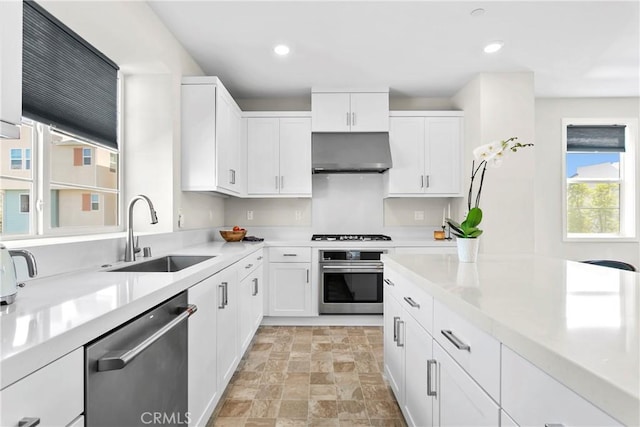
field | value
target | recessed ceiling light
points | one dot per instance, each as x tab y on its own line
477	12
281	49
493	47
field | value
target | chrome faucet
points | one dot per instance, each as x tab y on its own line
130	249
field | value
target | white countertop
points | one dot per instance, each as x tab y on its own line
580	323
55	315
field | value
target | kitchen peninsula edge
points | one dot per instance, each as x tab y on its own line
542	308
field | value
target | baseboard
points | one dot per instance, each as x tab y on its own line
325	320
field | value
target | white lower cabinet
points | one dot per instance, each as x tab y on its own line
54	395
203	387
420	387
532	397
290	287
393	350
251	299
461	401
506	420
227	340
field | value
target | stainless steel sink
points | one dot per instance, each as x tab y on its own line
167	264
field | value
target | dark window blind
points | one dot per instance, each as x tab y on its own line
66	82
592	138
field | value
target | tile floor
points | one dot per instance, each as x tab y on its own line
310	376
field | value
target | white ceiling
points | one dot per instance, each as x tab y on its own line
416	48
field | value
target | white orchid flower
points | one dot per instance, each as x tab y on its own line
492	153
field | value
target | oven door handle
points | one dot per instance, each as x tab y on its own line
372	267
115	360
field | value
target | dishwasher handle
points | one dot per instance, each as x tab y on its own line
115	360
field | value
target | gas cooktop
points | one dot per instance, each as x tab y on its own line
350	237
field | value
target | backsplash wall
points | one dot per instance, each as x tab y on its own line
341	203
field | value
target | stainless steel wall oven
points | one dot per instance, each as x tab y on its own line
351	282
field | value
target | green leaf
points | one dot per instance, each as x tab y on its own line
454	225
476	233
474	217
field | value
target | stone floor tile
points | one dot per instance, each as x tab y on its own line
275	365
291	422
323	409
296	391
321	366
349	391
323	392
279	355
242	392
297	378
351	409
264	409
260	422
322	378
345	377
294	409
269	392
226	422
235	408
376	392
355	423
273	378
324	422
382	409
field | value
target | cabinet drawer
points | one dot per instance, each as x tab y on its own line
291	254
249	264
54	394
476	351
413	300
532	397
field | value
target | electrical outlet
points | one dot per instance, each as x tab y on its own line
298	215
180	219
418	215
249	215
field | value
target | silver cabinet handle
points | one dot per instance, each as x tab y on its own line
460	345
427	181
421	181
430	376
353	119
289	254
348	121
234	176
29	422
389	282
553	425
221	286
115	360
248	266
411	302
398	343
395	328
307	275
226	293
255	287
259	258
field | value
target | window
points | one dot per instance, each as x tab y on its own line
71	123
86	156
599	189
24	203
16	158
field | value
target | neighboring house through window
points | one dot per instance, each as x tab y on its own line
599	161
16	158
86	156
24	203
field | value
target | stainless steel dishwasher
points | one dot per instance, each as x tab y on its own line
136	375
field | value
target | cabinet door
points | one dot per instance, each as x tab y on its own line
369	112
295	156
198	145
406	138
262	155
54	393
245	313
330	112
257	300
443	137
235	155
226	175
10	68
394	351
420	379
226	325
290	289
460	401
203	391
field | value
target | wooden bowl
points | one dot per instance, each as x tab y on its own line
233	236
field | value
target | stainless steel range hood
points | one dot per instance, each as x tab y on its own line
350	152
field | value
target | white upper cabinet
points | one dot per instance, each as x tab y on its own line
211	124
426	154
350	112
279	156
10	68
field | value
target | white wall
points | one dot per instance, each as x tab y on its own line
152	63
549	179
498	106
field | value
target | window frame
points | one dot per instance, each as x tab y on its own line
628	191
87	156
20	196
20	159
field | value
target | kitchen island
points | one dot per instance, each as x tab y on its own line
577	323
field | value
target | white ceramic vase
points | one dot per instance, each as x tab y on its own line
468	249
